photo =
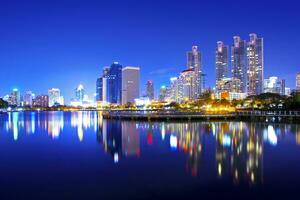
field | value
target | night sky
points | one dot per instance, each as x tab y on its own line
46	44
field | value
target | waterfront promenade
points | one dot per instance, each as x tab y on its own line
179	115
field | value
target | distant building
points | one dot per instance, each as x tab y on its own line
14	98
114	84
41	101
185	87
54	97
79	93
130	84
150	89
194	63
163	93
221	62
229	85
274	85
230	95
255	65
101	86
287	91
298	81
238	61
28	98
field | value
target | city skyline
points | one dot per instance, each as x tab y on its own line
39	61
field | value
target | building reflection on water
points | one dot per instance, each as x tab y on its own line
238	146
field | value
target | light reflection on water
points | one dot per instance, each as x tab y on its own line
238	147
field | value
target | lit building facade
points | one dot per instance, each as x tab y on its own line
238	61
221	62
101	86
41	101
54	97
255	65
274	85
150	89
28	98
298	81
114	84
229	85
186	87
79	93
194	63
14	99
163	93
130	84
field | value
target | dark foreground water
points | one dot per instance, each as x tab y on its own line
79	155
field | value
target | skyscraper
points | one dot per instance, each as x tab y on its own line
255	65
221	62
163	93
130	84
238	61
150	89
14	98
194	62
114	84
54	97
298	81
79	93
101	86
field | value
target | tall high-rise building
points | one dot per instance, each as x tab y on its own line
298	81
274	85
194	62
238	61
79	93
150	89
163	93
255	65
186	80
54	97
14	98
114	83
130	84
101	86
221	62
28	97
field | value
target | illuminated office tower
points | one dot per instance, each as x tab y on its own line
194	63
298	82
114	84
186	80
28	97
221	62
150	89
274	85
238	61
174	92
130	84
54	97
14	98
255	65
79	93
163	92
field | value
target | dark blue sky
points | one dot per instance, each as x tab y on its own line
62	43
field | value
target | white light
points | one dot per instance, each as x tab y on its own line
173	142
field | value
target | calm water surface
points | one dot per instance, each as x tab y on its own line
79	155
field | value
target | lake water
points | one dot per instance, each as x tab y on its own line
79	155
